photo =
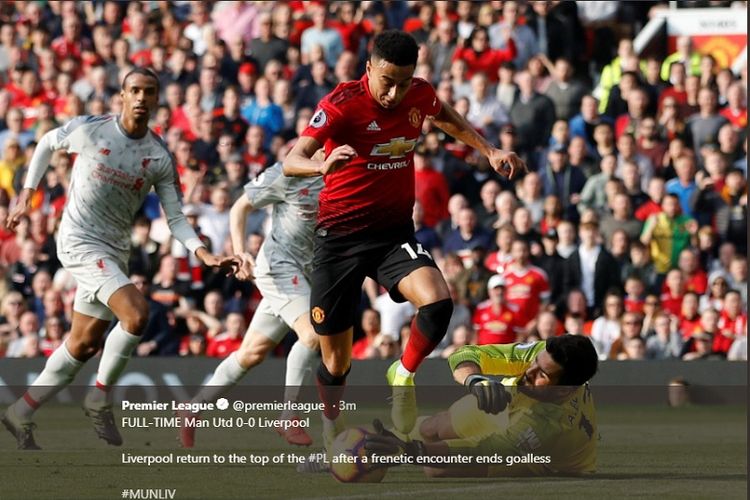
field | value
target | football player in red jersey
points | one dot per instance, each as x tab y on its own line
369	128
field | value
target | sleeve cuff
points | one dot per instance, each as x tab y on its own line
194	244
462	355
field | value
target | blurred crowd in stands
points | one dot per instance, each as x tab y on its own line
630	227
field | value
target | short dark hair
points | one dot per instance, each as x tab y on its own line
396	47
145	72
732	291
576	355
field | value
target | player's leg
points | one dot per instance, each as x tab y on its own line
60	369
336	283
426	289
263	334
301	360
409	273
131	309
336	360
299	365
129	305
288	293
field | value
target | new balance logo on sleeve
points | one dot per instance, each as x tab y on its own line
373	127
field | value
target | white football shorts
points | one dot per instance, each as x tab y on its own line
98	277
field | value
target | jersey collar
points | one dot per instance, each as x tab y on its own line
120	129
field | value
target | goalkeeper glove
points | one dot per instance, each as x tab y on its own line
490	393
384	442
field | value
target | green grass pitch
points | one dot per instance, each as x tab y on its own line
646	451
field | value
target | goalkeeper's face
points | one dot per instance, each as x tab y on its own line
542	372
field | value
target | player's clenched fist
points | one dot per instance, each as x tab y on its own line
507	163
337	159
490	393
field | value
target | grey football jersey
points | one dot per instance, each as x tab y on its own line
111	176
295	207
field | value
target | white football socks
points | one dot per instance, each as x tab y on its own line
59	371
299	367
228	373
115	356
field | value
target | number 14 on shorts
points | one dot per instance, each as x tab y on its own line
414	255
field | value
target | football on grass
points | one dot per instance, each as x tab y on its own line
347	464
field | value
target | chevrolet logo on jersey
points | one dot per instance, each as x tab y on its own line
396	148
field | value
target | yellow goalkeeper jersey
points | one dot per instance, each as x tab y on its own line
536	437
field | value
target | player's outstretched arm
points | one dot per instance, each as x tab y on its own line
237	224
307	159
168	190
506	163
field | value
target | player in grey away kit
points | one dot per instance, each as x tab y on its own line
118	161
282	274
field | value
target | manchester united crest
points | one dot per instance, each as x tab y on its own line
415	117
318	315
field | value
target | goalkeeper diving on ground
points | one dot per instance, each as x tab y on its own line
528	403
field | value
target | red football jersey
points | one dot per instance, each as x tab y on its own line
222	345
729	330
690	326
375	191
634	304
671	304
495	327
526	290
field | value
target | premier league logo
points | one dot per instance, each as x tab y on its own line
319	119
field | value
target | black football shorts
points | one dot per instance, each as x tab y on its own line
341	263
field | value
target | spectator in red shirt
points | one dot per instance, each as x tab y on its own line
677	91
431	189
70	43
420	27
480	57
689	318
365	348
255	156
552	213
225	343
671	299
348	23
54	329
527	286
28	96
634	295
628	123
655	193
732	322
495	321
696	279
497	261
736	109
